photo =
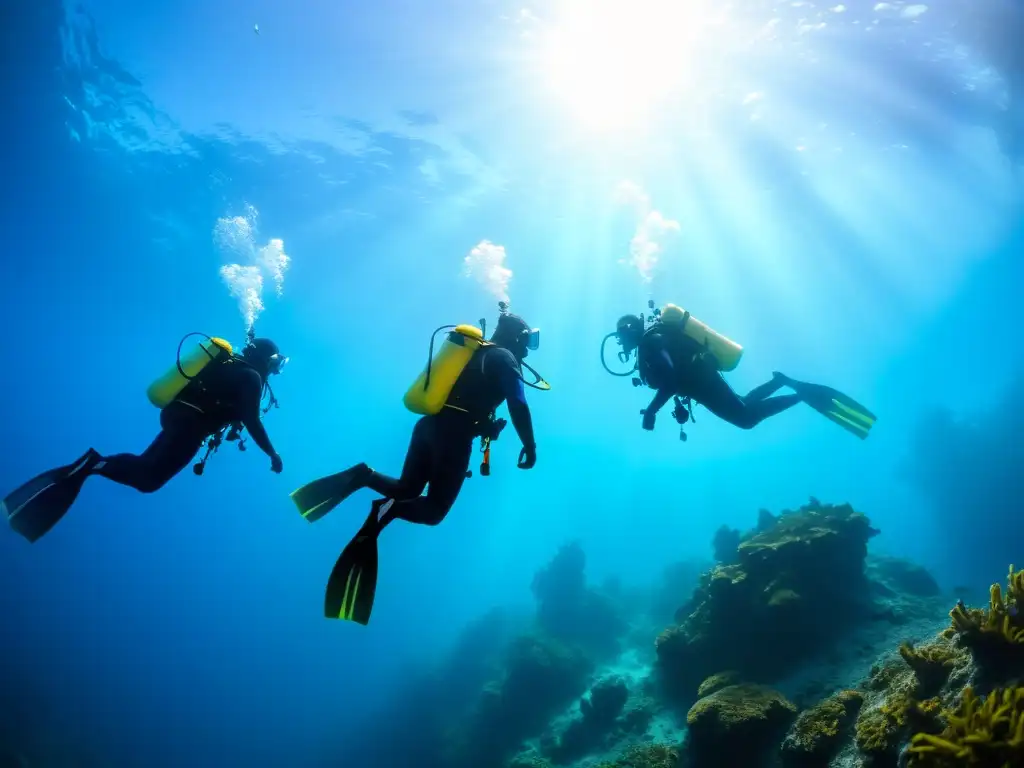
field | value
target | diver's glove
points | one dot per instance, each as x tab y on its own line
276	465
528	457
649	416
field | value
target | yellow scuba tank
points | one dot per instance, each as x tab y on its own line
727	353
162	391
430	391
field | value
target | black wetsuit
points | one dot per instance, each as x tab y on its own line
442	445
225	393
673	364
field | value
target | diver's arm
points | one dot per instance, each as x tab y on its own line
522	420
515	397
259	435
661	397
660	370
250	408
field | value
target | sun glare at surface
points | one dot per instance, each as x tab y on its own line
612	62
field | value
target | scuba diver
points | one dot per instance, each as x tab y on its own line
682	358
457	396
208	393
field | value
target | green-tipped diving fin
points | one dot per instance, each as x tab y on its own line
353	582
834	405
38	505
316	499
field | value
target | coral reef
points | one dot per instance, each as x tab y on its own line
904	690
772	608
995	635
802	610
932	665
646	756
737	725
818	732
717	682
987	733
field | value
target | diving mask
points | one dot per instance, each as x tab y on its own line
533	340
276	364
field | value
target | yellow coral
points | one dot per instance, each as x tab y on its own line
875	732
935	654
931	663
817	730
1003	622
879	729
989	732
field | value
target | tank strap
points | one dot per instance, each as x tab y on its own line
193	406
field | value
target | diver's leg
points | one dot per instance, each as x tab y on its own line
177	444
713	392
770	387
415	471
451	457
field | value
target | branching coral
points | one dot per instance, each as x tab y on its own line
987	733
931	663
1001	626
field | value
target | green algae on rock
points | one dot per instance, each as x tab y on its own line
818	732
737	725
803	571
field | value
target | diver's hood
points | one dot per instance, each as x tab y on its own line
266	351
515	332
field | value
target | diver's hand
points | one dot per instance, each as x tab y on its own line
276	465
528	457
649	417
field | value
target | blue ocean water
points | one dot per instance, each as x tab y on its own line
835	187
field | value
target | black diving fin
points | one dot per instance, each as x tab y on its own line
38	505
352	585
316	499
834	405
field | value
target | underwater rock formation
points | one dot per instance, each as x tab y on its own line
542	675
599	713
570	610
645	756
717	682
818	732
801	609
899	576
724	545
795	586
676	586
736	726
